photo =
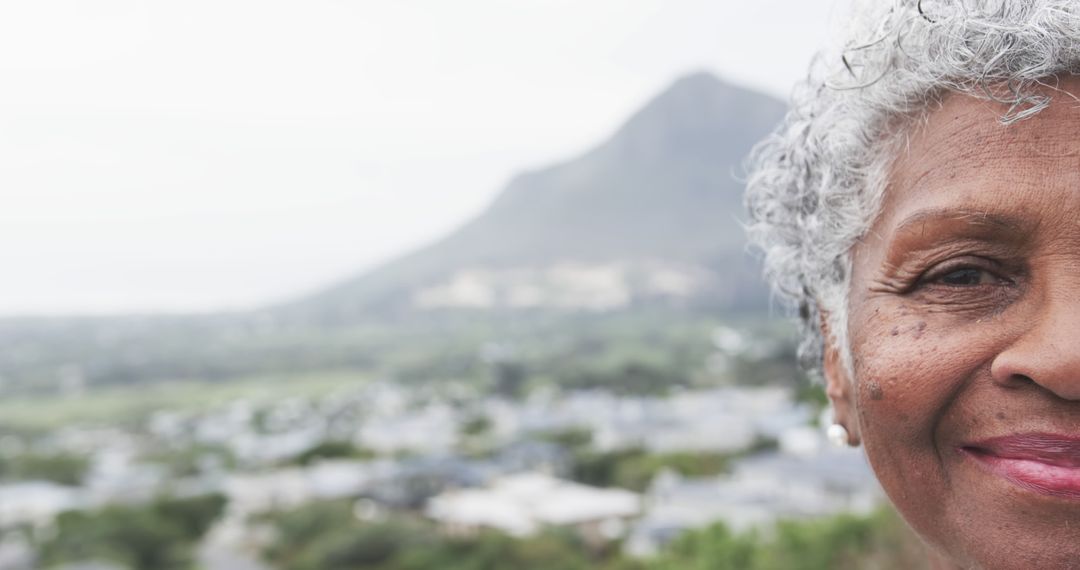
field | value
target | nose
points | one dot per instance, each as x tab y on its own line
1046	354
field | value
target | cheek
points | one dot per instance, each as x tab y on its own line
898	395
908	371
905	370
910	366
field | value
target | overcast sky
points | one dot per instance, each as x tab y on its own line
213	154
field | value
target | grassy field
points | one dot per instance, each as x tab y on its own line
632	351
130	403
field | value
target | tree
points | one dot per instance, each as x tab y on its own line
332	449
62	468
158	536
843	542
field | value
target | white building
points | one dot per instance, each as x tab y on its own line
16	553
35	502
291	487
432	429
524	504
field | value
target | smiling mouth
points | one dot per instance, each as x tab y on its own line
1048	464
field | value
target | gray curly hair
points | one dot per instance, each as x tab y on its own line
816	184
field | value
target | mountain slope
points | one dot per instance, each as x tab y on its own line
648	216
660	194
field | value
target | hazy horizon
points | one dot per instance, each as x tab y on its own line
223	155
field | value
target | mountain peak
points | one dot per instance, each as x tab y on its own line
692	116
700	79
708	82
661	188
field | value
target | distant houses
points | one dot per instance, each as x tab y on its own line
510	483
792	483
524	504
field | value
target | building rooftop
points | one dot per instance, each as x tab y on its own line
523	504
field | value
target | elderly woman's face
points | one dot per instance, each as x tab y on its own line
965	336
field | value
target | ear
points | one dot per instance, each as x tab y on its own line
839	385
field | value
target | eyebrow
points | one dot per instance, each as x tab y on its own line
974	219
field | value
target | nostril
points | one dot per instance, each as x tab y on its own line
1019	381
1069	391
1022	379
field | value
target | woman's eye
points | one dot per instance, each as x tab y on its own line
971	273
967	276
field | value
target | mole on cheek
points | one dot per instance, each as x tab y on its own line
875	391
919	329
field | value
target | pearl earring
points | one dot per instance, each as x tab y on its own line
838	435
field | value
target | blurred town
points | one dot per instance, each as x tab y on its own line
631	469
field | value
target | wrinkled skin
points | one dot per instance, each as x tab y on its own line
964	320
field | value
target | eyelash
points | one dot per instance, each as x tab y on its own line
935	276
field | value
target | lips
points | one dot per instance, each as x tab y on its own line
1048	464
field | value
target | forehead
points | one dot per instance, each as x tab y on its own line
963	157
